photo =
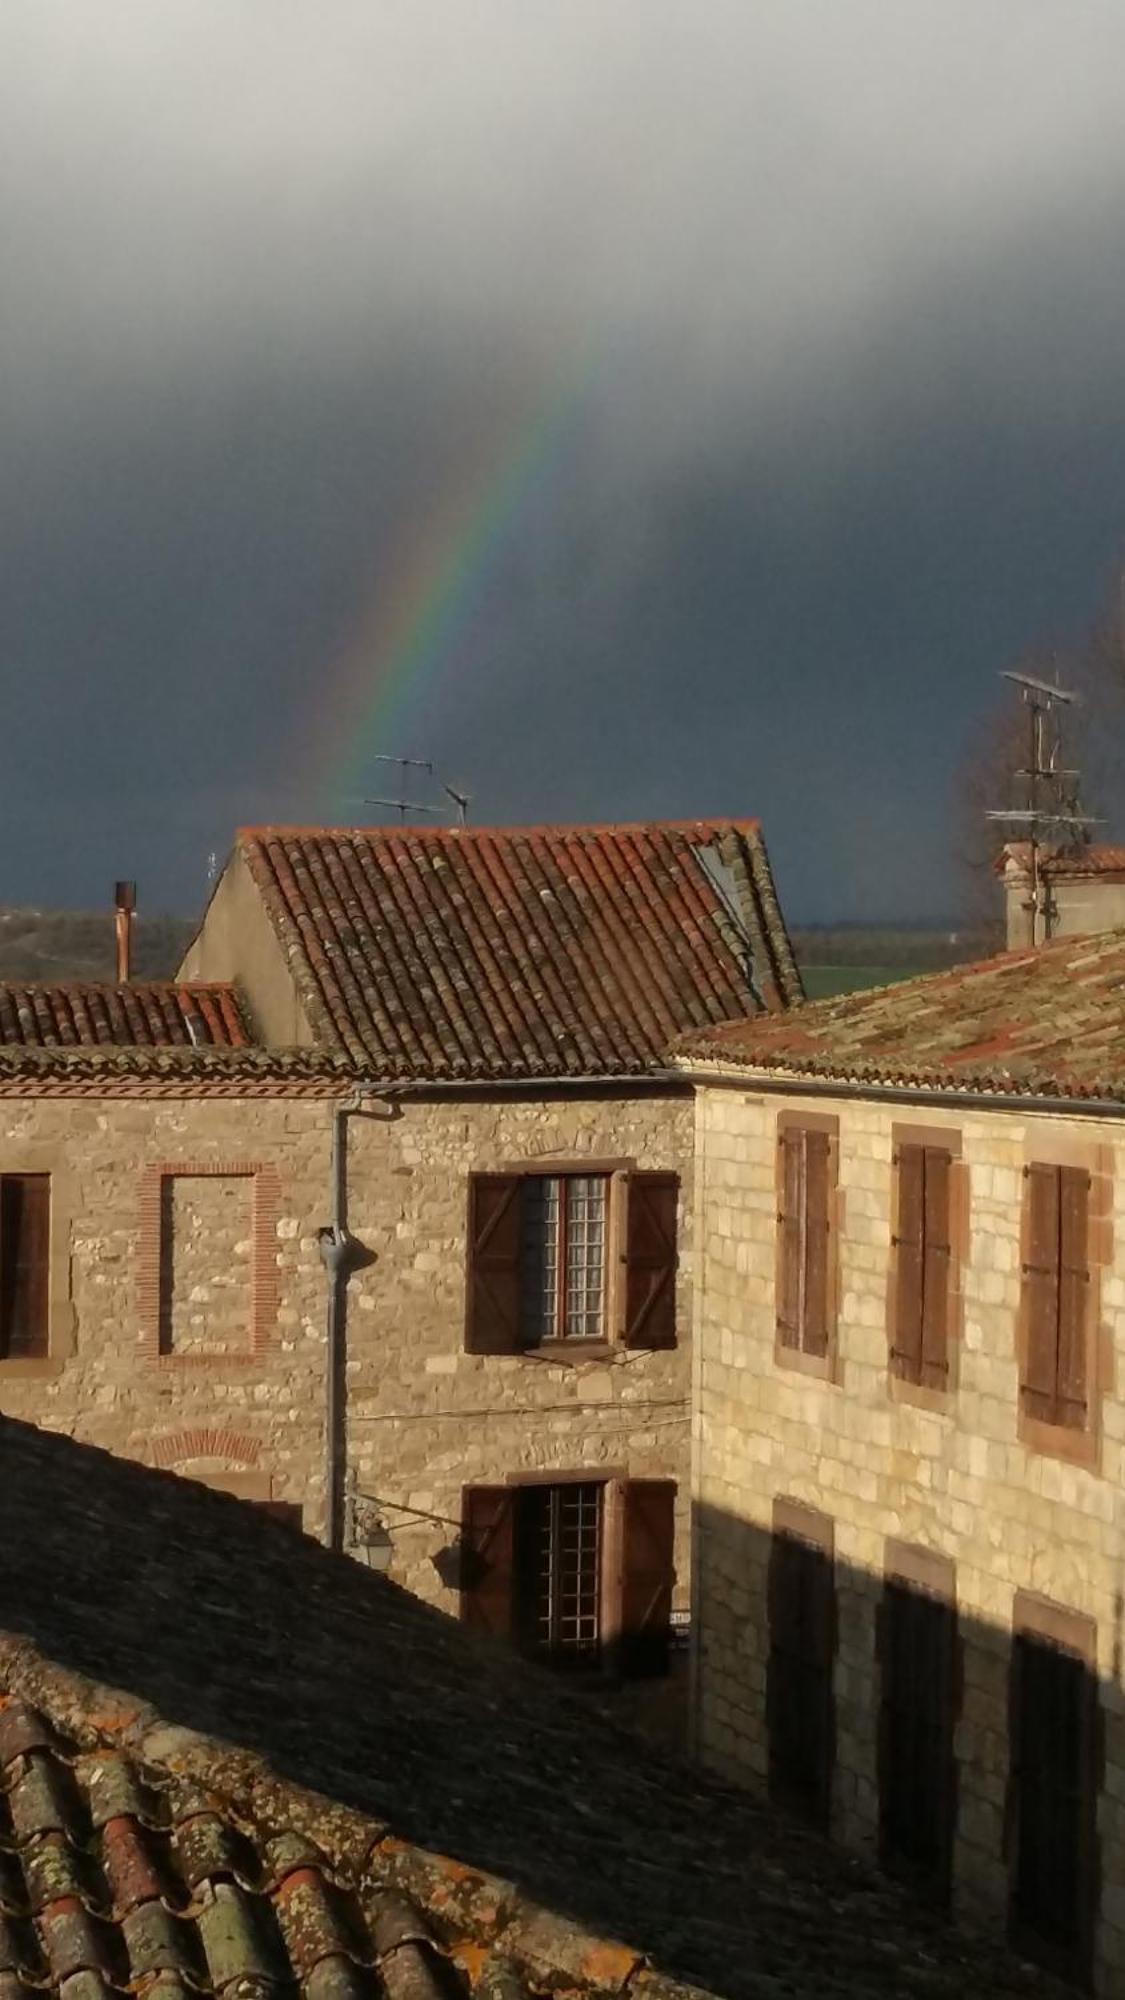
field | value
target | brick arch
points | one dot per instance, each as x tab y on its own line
228	1446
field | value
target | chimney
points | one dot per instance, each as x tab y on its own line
1081	890
124	903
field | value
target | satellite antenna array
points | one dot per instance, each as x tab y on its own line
1051	816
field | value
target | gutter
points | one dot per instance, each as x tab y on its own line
948	1098
338	1253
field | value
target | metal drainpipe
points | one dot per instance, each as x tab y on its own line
337	1250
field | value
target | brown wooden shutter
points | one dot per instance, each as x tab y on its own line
801	1598
937	1234
1041	1292
488	1515
909	1244
818	1152
791	1235
493	1316
1074	1287
25	1262
648	1539
650	1257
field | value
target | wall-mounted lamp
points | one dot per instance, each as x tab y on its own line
370	1539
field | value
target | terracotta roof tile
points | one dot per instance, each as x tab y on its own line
425	952
1047	1022
148	1014
1097	859
205	1795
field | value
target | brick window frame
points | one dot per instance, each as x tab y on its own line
627	1322
901	1385
826	1364
48	1160
265	1202
1077	1445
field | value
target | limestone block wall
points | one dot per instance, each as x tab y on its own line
948	1474
188	1301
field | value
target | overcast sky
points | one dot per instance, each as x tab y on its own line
841	283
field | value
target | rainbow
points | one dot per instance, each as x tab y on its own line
411	632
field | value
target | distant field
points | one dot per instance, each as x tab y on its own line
822	981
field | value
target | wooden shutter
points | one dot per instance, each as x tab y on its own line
909	1249
648	1539
818	1152
25	1252
1041	1292
1074	1287
917	1773
488	1515
1053	1731
937	1234
799	1692
791	1235
650	1260
493	1286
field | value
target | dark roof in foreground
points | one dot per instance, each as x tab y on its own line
1044	1022
552	951
234	1765
148	1014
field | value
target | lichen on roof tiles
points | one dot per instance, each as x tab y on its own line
522	951
1043	1022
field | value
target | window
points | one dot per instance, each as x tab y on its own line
917	1771
1056	1281
802	1646
536	1571
806	1177
922	1283
1053	1738
563	1257
542	1262
25	1244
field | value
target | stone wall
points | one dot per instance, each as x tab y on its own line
210	1358
949	1474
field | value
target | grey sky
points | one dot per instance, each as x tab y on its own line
853	276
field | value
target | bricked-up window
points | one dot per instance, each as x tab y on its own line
537	1571
1056	1286
806	1173
922	1246
917	1628
25	1244
802	1648
542	1263
1053	1736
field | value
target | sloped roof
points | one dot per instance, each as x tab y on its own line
522	951
233	1764
81	1014
1097	859
1045	1022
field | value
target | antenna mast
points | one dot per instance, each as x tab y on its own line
1050	818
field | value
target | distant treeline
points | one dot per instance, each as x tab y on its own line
58	945
905	946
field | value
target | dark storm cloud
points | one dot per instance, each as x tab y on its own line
852	281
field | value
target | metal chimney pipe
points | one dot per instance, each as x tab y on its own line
125	903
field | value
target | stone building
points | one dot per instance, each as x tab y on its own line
910	1370
379	1212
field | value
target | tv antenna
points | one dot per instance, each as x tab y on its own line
1050	817
403	805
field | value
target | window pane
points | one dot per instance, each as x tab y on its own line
585	1257
539	1257
558	1572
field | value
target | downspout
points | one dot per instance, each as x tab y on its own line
337	1252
